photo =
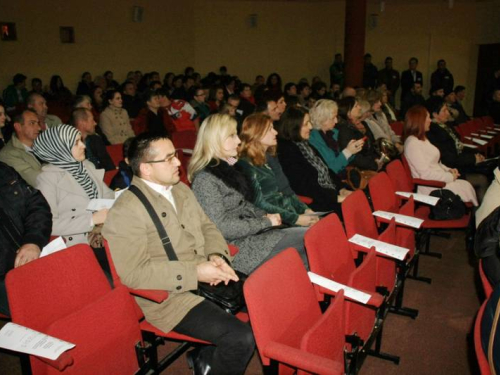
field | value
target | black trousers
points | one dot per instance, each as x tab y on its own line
233	339
4	303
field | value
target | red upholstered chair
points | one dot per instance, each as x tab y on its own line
184	139
482	360
330	256
397	127
152	334
287	322
116	153
66	295
487	288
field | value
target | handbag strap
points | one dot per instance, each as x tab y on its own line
491	341
165	240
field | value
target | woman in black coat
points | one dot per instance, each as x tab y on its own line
306	171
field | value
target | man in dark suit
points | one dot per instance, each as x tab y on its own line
414	97
390	77
442	77
410	76
370	73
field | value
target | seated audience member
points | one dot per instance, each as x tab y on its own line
387	108
168	82
290	89
226	194
306	171
131	101
324	137
38	103
111	84
97	99
424	158
57	91
258	138
491	199
69	182
377	121
351	128
202	253
152	118
18	152
215	98
114	121
182	114
319	90
436	91
450	99
123	178
3	119
259	82
25	226
95	149
274	84
86	85
16	93
459	98
178	91
154	85
348	92
411	98
272	104
334	92
36	86
200	105
84	101
494	106
247	102
453	152
409	78
303	93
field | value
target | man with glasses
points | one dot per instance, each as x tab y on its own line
202	256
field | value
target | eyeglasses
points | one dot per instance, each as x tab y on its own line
169	159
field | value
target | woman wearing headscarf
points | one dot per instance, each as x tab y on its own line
68	183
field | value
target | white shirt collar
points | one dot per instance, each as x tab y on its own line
165	191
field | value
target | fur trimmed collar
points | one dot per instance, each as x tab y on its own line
232	176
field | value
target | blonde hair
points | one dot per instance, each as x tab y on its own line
321	112
213	132
365	106
253	129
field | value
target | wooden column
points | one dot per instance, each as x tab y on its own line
354	41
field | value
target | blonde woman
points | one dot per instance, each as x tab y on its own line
226	195
324	137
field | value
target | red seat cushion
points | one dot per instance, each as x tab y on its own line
423	213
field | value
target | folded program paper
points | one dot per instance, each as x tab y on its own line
400	219
384	248
419	197
349	292
53	246
100	204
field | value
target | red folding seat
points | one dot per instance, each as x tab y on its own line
66	295
115	152
287	322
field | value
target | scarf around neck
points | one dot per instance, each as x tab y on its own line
324	179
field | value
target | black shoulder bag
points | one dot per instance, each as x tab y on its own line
228	297
449	207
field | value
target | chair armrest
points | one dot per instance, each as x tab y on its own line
375	300
63	361
157	296
419	181
303	360
305	200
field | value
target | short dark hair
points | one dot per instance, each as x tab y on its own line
109	95
388	58
301	86
345	105
126	146
140	148
413	59
367	55
440	61
19	78
159	92
434	104
20	117
459	88
291	123
35	80
79	114
338	54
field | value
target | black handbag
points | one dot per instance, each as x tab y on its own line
228	297
449	207
487	235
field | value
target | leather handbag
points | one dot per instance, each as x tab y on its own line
449	207
228	297
358	179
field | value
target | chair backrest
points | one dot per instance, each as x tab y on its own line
281	301
399	177
358	218
482	360
54	286
397	127
184	139
487	288
67	296
383	193
328	250
115	152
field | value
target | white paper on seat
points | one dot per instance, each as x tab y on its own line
349	292
479	141
53	246
385	248
419	197
475	134
99	204
470	146
492	132
25	340
486	136
400	219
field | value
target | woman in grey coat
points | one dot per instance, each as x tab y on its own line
225	195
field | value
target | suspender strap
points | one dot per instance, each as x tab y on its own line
165	240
